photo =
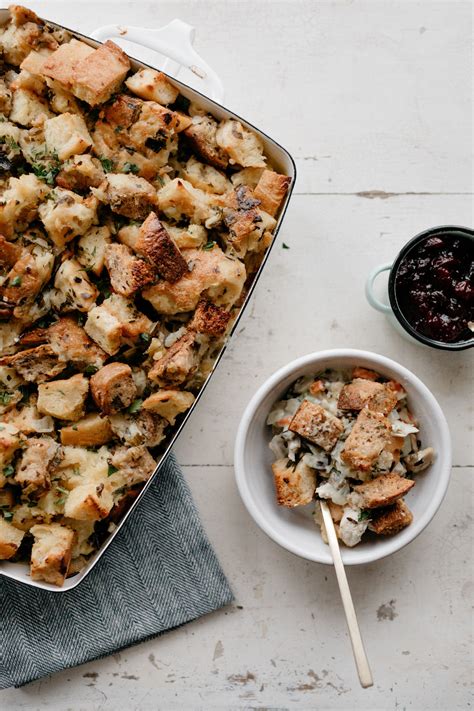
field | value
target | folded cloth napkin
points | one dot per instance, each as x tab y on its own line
159	573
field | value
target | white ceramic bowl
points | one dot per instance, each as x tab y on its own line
294	529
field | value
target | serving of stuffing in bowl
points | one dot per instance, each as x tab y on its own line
348	436
131	223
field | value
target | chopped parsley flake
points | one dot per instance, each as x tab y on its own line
130	168
135	406
107	164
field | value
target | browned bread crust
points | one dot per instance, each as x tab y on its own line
392	519
317	425
155	244
383	490
113	387
210	319
368	437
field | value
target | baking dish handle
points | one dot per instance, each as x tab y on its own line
174	41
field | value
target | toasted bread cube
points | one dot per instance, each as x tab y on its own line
295	484
104	328
248	225
36	365
80	173
27	277
122	113
215	275
61	100
10	253
355	395
67	215
64	399
10	441
24	32
206	177
34	466
247	176
169	403
75	290
33	62
133	323
100	74
370	434
135	464
113	387
202	137
270	190
383	400
155	244
20	203
127	273
61	63
90	431
314	423
178	364
382	490
10	539
242	146
128	195
28	108
210	319
67	135
51	552
5	98
179	200
187	237
71	344
89	502
364	373
391	520
30	82
153	86
144	428
91	249
128	235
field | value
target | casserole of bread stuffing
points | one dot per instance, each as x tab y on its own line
131	223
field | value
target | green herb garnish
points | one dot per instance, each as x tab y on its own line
107	164
7	515
284	246
62	490
135	406
16	281
8	471
5	398
364	515
130	168
145	337
209	246
90	369
111	470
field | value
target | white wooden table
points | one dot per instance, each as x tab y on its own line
372	99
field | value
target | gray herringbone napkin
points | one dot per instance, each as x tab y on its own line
159	573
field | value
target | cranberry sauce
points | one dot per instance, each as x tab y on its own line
434	287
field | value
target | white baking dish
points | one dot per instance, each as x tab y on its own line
174	43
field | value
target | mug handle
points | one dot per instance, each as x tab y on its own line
369	289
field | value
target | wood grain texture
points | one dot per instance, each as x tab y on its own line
372	99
